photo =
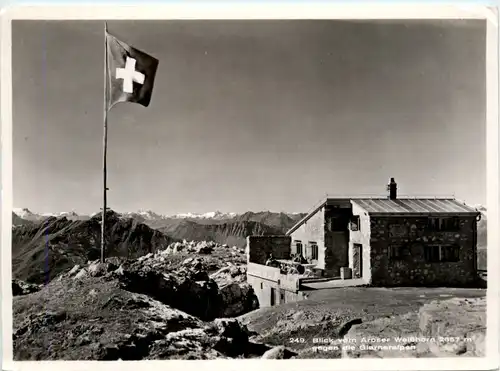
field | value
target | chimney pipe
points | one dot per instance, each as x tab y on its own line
393	189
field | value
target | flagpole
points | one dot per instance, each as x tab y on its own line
105	147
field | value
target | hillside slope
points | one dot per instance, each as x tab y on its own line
17	220
230	231
41	251
233	233
132	312
280	221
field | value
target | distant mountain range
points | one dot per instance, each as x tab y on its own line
43	249
45	245
232	233
27	214
229	228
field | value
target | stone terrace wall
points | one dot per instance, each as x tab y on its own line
414	270
258	248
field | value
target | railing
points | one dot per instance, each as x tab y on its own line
287	282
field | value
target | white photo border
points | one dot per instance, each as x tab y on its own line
258	10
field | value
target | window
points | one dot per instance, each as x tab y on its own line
431	253
282	296
397	252
442	253
337	224
354	224
298	247
450	253
314	250
444	224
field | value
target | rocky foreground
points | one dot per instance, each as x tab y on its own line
374	322
448	328
100	319
191	301
172	304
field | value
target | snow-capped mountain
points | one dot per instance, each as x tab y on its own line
67	214
217	215
24	213
151	215
143	214
27	214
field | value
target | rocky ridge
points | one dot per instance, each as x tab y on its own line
92	318
170	304
42	251
228	228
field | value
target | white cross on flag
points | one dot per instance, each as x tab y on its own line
130	73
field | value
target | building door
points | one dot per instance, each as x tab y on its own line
282	296
273	296
357	261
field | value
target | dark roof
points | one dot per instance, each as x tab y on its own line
414	206
400	206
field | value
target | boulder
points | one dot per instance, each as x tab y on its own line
81	274
204	249
234	271
279	352
200	299
384	332
230	274
100	269
221	338
23	288
231	337
221	272
74	270
199	276
237	299
145	257
458	325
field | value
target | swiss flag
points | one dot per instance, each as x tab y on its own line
130	73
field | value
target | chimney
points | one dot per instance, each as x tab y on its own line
392	187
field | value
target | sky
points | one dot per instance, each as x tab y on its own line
250	115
